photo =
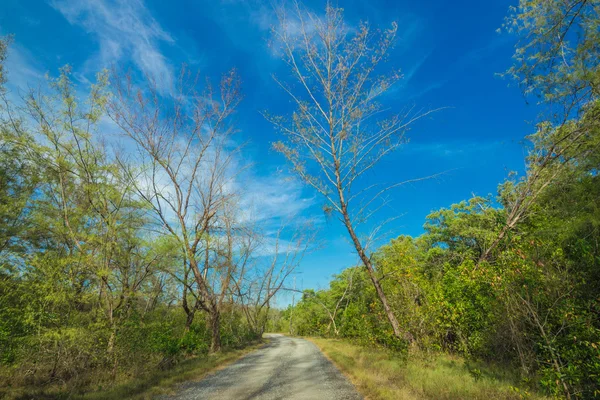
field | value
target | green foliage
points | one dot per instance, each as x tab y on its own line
89	294
557	57
533	304
526	297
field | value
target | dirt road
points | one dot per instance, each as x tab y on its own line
286	368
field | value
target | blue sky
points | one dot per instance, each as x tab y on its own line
448	50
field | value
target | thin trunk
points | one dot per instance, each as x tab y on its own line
292	309
383	298
189	312
184	303
556	362
487	253
361	251
188	321
111	350
204	295
215	330
380	293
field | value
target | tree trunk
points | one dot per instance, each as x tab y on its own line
188	321
190	313
556	362
215	331
382	297
111	351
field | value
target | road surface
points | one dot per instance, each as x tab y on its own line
285	368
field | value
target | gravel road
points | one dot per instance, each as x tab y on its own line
285	368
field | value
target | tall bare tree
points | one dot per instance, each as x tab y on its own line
339	130
184	167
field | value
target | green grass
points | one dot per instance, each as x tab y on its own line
379	374
149	385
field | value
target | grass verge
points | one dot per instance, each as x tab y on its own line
380	375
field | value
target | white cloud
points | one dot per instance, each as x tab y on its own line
272	199
125	30
23	69
271	246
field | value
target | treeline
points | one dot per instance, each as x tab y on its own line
125	244
513	279
123	254
533	304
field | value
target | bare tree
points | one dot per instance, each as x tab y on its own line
183	166
339	130
260	277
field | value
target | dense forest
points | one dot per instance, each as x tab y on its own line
117	258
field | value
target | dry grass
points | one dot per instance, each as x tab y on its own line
380	375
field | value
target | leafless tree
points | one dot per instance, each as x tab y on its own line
339	130
184	166
260	276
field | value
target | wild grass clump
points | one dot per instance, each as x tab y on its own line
381	375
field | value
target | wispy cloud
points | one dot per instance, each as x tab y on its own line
475	56
427	88
410	73
273	199
24	71
410	27
479	54
126	31
407	76
22	67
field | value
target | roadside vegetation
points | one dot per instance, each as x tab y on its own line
126	258
147	384
129	260
508	280
381	374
